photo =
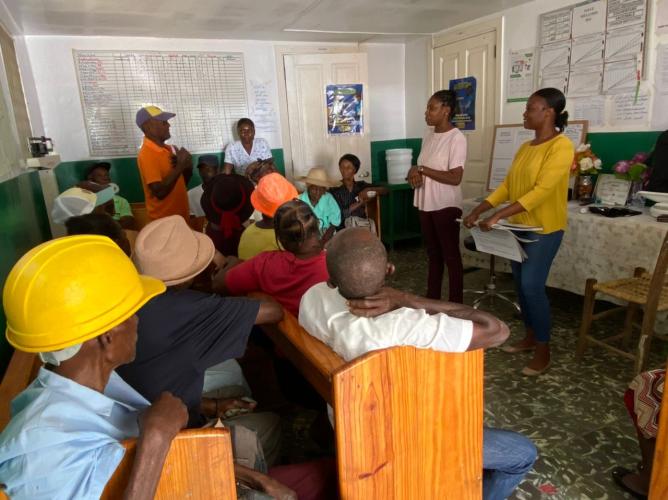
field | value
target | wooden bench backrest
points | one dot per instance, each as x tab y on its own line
409	425
408	421
315	360
198	466
659	486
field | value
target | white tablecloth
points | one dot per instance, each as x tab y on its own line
593	247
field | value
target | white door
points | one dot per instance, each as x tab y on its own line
306	76
474	56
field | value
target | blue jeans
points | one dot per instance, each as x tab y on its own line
506	457
530	277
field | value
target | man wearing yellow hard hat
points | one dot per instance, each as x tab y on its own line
73	300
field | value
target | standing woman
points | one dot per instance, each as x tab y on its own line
536	187
239	154
438	196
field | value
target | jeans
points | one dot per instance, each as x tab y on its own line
506	457
530	277
441	234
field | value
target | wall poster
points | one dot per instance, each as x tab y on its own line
344	109
465	89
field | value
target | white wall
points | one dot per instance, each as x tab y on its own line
417	85
54	98
386	90
521	31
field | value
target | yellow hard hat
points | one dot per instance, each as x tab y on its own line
69	290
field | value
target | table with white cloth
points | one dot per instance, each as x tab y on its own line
594	246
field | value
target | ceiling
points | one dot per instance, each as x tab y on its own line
316	20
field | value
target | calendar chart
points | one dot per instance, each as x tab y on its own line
206	90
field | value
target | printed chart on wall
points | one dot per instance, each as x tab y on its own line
509	138
595	48
206	90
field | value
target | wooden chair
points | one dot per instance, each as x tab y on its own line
408	421
645	291
658	489
198	466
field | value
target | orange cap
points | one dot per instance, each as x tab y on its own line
271	192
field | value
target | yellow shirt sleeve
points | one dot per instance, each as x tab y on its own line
499	195
550	175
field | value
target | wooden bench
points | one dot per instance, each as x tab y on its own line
198	466
408	421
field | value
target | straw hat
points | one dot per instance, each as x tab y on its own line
272	191
169	250
318	177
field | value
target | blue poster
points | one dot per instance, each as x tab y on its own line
464	88
344	109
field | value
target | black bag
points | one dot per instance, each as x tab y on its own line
658	162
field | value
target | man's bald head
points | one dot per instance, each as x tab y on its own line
356	262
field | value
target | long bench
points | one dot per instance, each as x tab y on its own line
198	465
408	421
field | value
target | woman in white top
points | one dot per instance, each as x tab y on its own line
239	154
436	180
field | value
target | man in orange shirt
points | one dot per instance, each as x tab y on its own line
165	170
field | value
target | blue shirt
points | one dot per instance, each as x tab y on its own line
326	210
63	439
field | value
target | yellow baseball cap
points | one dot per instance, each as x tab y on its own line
154	112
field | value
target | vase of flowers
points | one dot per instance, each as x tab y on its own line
586	166
636	171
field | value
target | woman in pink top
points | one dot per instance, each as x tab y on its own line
436	180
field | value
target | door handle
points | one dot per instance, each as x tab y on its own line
365	174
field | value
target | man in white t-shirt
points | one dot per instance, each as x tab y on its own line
354	313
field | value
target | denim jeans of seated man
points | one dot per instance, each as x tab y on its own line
506	457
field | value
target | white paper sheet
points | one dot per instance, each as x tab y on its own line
591	109
625	13
520	75
587	50
585	81
557	79
620	77
498	242
589	18
625	43
662	17
626	110
555	26
555	56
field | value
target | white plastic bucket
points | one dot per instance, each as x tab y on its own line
398	164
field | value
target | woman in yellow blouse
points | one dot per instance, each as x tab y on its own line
536	187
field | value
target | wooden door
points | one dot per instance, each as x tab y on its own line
473	56
306	76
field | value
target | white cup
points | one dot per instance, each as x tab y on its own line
370	194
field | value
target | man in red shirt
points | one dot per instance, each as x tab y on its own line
165	170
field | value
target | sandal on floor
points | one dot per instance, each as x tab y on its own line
530	372
512	349
618	475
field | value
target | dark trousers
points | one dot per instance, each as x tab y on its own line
441	234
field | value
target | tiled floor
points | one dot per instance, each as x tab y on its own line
574	413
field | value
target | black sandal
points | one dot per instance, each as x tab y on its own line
618	474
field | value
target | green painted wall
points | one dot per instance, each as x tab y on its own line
611	147
23	224
124	172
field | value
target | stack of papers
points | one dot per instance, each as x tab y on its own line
502	241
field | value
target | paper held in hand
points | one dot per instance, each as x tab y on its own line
502	241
